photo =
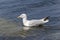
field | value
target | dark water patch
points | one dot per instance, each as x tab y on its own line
54	21
10	38
42	4
53	36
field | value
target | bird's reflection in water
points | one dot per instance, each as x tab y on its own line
31	31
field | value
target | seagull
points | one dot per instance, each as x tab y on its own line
33	22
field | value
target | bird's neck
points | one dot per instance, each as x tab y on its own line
24	20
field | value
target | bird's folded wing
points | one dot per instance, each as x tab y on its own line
35	22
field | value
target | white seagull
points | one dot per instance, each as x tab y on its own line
33	22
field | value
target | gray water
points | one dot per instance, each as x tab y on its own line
11	26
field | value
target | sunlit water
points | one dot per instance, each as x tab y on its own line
11	27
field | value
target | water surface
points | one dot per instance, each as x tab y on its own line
11	26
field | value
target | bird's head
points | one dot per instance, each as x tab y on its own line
22	16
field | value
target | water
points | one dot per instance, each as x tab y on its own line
11	26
